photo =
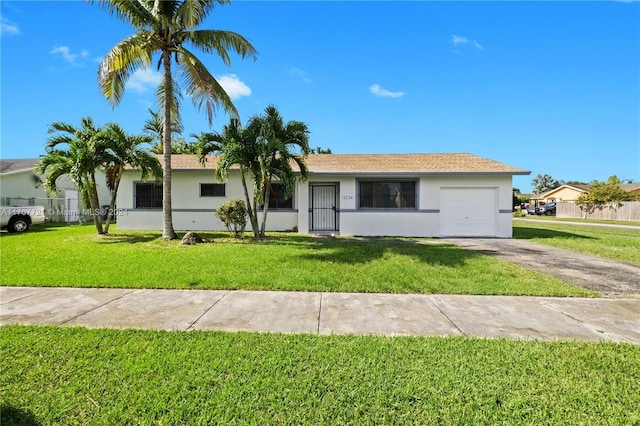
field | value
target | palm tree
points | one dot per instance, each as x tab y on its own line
79	158
121	149
154	127
206	143
236	148
267	149
166	27
280	145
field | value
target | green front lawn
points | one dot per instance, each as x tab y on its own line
75	256
58	375
612	243
578	220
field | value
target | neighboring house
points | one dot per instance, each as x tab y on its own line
631	187
418	195
570	193
20	185
564	193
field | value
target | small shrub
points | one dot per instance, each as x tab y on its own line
233	214
519	213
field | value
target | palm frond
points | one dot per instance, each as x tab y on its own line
123	149
53	165
57	140
59	126
203	88
132	53
165	11
174	100
113	175
221	42
192	13
207	143
135	12
153	125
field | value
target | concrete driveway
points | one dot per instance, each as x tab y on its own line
611	278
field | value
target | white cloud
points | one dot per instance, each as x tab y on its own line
384	93
234	87
66	54
299	73
457	40
8	28
146	103
144	79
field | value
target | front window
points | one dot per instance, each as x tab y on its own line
212	190
394	195
148	196
277	199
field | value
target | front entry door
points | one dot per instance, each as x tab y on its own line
324	206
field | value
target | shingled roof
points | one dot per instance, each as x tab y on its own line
629	187
460	163
17	165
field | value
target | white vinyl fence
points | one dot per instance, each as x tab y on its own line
628	211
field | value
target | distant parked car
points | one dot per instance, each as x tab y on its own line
548	209
533	210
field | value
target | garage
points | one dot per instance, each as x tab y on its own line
469	212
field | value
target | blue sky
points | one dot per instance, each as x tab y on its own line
550	87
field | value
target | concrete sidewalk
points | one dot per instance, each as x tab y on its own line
544	318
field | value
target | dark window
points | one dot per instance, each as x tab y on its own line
212	190
387	195
148	196
277	198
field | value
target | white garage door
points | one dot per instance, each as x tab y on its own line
468	212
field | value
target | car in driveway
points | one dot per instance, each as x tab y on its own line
548	209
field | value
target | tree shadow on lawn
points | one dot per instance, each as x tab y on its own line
127	238
533	233
354	251
145	237
10	415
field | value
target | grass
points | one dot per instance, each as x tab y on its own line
578	220
54	375
618	244
79	376
74	256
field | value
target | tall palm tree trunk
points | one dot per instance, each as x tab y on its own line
94	203
167	218
114	195
265	208
250	209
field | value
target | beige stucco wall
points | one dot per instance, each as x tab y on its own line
563	194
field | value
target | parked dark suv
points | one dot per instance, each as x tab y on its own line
548	209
